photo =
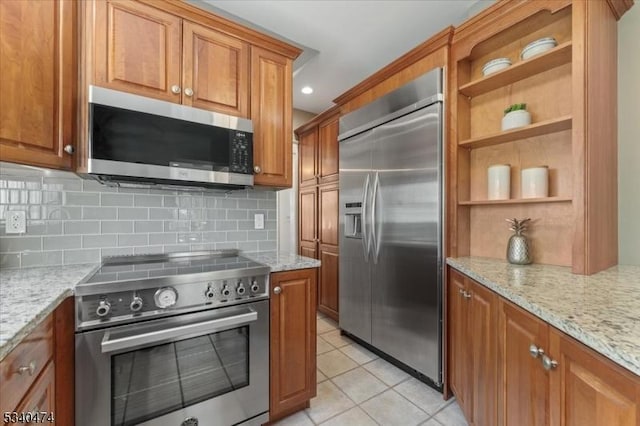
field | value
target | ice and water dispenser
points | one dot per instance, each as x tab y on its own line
353	220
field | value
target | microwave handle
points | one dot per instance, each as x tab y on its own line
204	327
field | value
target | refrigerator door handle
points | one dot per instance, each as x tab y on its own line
365	232
375	238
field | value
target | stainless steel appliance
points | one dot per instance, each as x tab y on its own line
134	140
391	225
178	339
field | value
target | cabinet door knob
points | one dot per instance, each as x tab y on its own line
466	295
548	363
257	169
175	89
535	351
69	149
31	368
461	291
188	92
277	290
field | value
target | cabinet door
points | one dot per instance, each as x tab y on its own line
524	396
328	151
293	340
328	283
308	150
137	49
307	221
271	112
38	77
215	71
459	366
328	223
588	389
482	329
42	396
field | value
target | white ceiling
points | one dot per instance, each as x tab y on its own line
345	41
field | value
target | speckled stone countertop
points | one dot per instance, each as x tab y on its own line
602	310
28	295
283	261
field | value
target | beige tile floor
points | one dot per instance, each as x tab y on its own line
357	388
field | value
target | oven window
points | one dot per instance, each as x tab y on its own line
150	382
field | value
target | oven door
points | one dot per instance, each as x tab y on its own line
209	368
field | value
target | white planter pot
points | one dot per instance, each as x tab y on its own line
499	182
515	119
535	182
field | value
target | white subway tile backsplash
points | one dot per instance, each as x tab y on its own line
71	220
62	242
115	227
17	244
81	227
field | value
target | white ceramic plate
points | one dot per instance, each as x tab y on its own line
537	47
495	65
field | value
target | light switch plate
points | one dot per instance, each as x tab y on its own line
258	221
16	222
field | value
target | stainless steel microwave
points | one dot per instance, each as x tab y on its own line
135	140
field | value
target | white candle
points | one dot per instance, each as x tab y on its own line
499	182
535	182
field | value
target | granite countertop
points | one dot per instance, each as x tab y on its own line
602	310
283	261
28	295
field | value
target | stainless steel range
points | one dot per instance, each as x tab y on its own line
174	339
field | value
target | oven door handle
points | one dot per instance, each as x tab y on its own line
128	342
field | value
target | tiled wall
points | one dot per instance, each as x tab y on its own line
72	220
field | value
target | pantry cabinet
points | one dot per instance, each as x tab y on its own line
540	375
292	341
38	77
318	150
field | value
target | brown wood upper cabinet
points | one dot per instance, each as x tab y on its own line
293	341
146	51
307	150
271	110
319	153
37	82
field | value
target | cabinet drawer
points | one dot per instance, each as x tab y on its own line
41	398
30	357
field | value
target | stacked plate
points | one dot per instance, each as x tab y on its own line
495	65
537	47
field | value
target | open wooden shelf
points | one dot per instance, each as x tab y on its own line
555	57
536	129
516	201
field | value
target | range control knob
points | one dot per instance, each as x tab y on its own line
240	290
254	286
136	304
103	308
209	293
225	291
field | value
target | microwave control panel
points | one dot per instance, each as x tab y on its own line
241	152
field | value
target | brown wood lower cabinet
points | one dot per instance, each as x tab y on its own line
293	341
37	375
528	373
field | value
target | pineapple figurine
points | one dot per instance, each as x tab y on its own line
518	250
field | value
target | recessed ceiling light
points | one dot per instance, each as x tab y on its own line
307	90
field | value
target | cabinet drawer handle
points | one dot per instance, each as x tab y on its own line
257	169
188	92
31	368
466	295
175	89
461	291
277	290
548	363
69	149
535	351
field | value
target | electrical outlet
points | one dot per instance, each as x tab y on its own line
16	222
258	221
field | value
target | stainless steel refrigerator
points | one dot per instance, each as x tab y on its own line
391	215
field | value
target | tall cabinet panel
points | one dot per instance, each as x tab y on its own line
308	148
215	71
271	97
328	250
37	82
328	151
308	222
138	49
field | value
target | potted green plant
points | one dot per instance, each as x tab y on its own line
516	116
